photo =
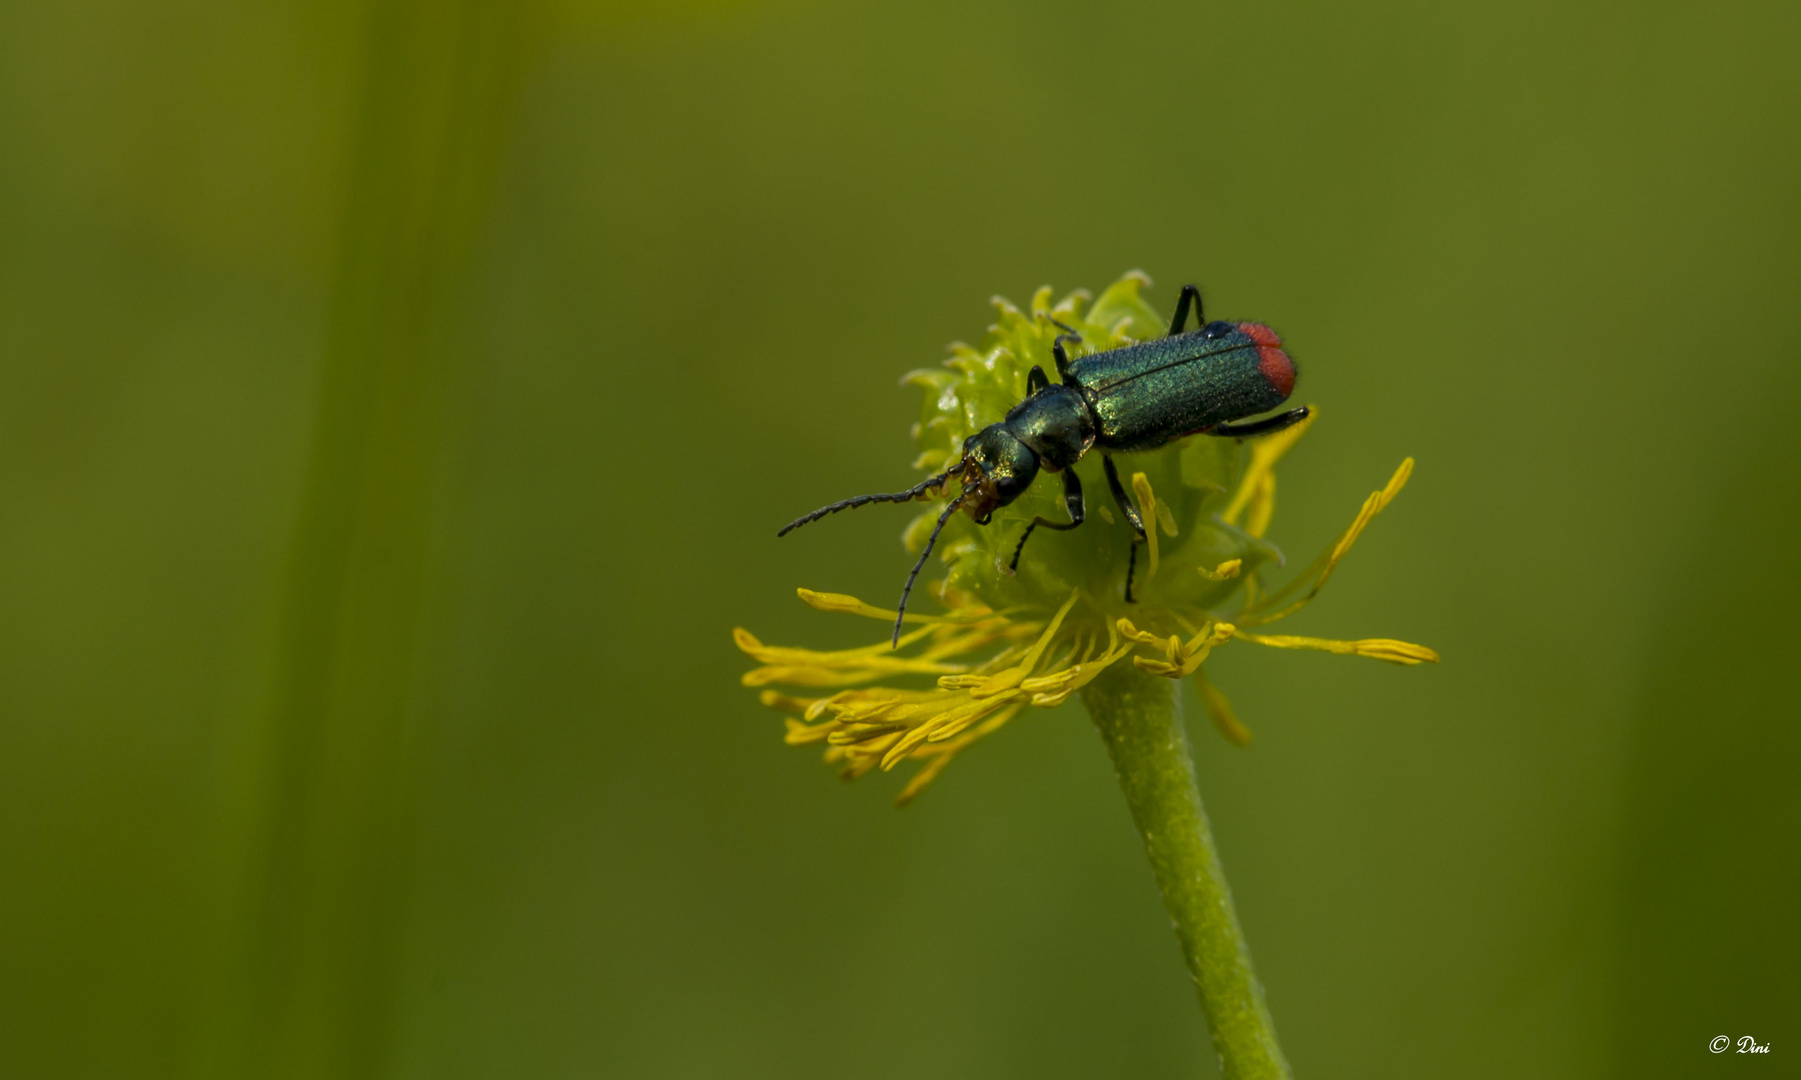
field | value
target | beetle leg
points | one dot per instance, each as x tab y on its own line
1133	517
1069	334
1261	427
1072	498
1131	566
1036	380
1125	502
1189	293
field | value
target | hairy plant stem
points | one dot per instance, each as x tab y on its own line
1140	719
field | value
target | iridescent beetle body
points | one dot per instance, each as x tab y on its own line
1136	397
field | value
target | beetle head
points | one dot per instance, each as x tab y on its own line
997	468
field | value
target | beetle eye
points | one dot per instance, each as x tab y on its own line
1218	329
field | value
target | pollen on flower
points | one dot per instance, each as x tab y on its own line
1006	641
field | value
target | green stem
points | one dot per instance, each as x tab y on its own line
1140	719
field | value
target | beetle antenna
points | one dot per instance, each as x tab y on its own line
923	556
908	495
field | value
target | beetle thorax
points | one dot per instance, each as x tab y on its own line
1056	423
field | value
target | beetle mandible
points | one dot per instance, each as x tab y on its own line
1135	397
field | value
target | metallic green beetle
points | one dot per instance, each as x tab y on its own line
1136	397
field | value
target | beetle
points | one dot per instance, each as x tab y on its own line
1135	397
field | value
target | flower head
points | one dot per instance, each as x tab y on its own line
1009	639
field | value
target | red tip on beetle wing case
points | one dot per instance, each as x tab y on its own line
1271	360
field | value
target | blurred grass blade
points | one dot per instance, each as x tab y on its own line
327	869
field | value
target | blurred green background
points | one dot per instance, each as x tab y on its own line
398	400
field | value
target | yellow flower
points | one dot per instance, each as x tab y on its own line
1008	640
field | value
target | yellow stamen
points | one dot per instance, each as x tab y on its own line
942	753
778	654
948	722
801	733
775	699
981	686
1179	658
1219	710
1225	571
918	781
1265	452
844	604
1395	652
1322	568
820	675
859	760
807	667
1147	509
885	726
854	734
877	703
1263	505
952	723
1172	646
1055	688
